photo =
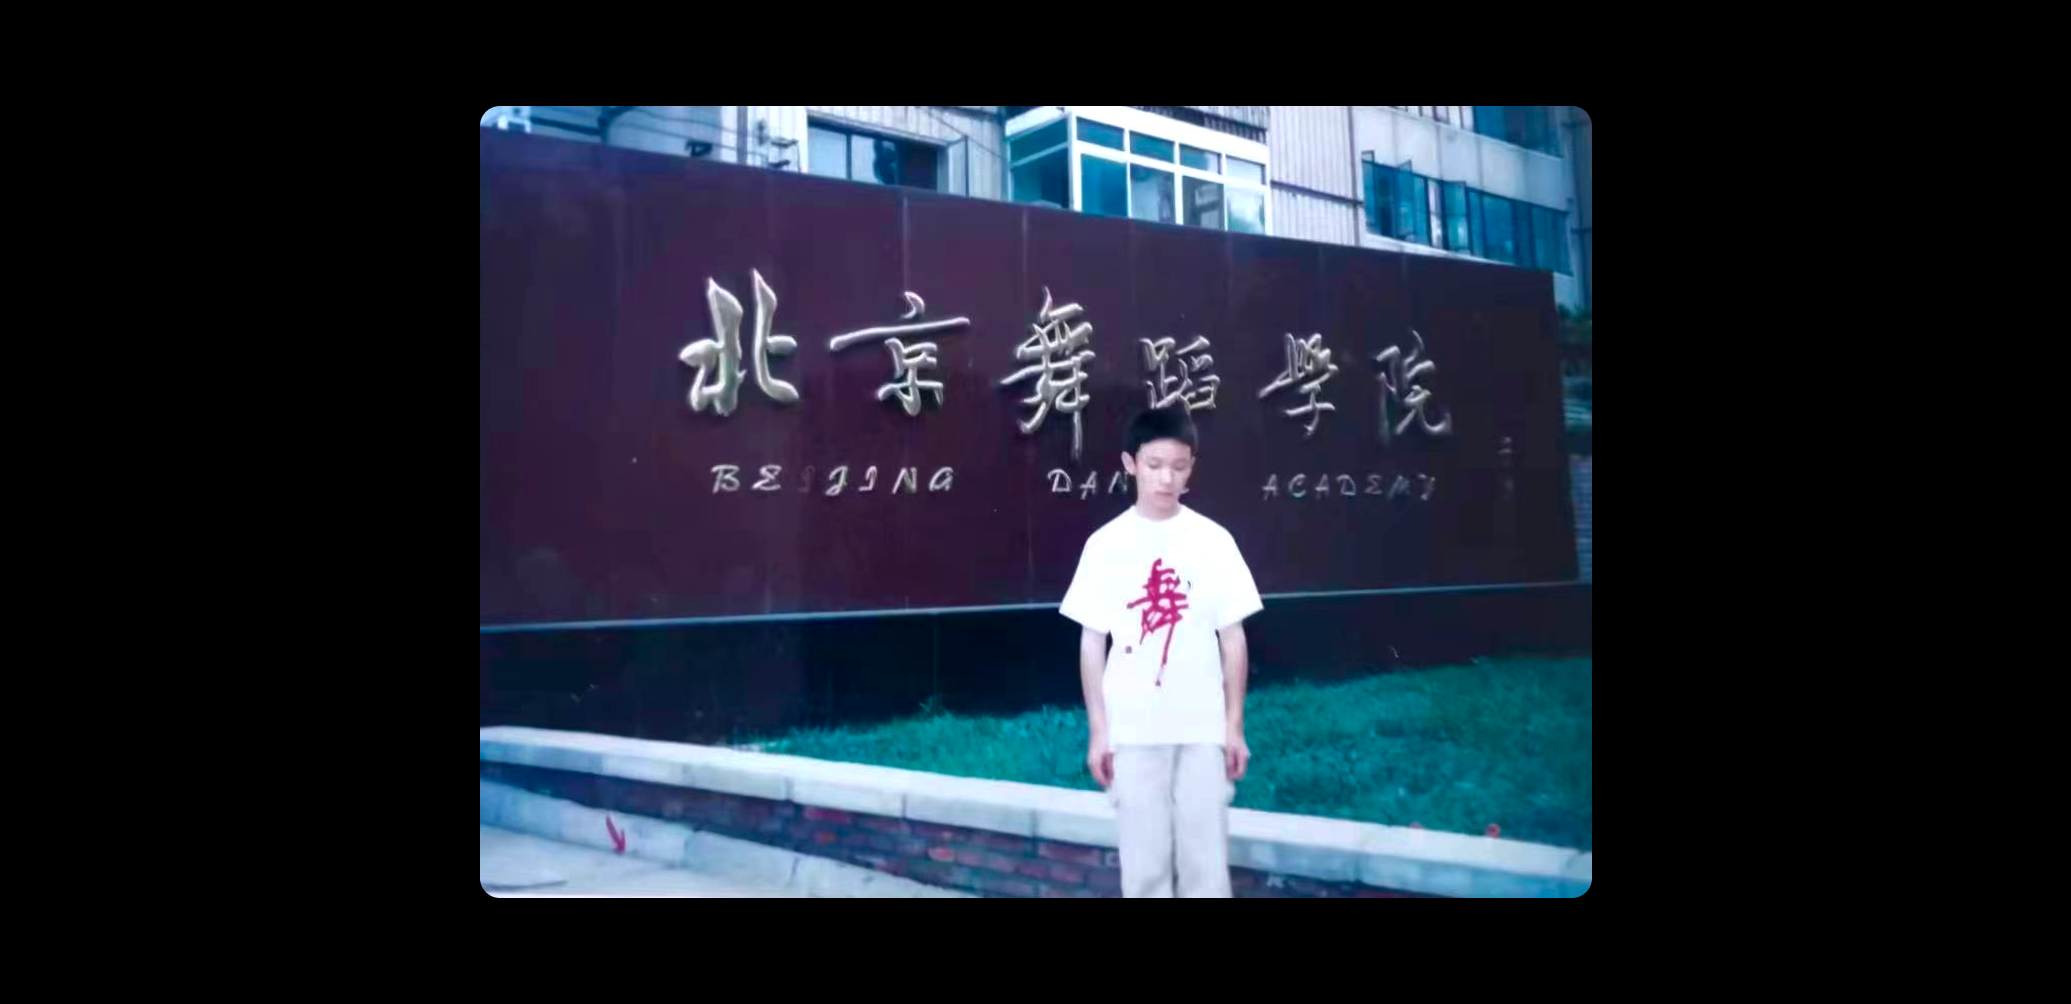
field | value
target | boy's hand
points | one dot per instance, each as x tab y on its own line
1236	755
1101	761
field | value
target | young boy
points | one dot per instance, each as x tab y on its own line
1165	707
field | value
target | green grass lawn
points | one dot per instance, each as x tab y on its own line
1504	741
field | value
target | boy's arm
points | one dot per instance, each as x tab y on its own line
1239	600
1092	666
1236	670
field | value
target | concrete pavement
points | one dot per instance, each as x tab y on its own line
520	865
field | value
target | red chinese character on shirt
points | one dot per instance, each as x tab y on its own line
1162	602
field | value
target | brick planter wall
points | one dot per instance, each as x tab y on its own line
954	857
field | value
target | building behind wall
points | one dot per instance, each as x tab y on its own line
1501	183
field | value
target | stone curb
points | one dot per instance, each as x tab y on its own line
1338	850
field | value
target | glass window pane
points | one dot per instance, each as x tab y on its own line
1420	214
868	161
1029	144
1529	126
1560	244
1377	198
1150	194
1244	170
1247	210
1456	238
1488	120
1499	229
1103	186
828	154
1545	235
1204	203
1409	205
919	163
1475	233
1523	232
1100	134
1200	160
1150	146
1467	117
1434	216
1044	181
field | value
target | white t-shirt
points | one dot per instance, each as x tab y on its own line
1162	588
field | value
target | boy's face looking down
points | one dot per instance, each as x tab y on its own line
1161	468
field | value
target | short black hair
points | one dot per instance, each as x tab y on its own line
1153	424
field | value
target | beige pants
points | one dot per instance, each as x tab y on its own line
1172	808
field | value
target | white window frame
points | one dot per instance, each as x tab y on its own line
1030	121
1132	121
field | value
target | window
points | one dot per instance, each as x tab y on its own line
1522	231
1044	181
1476	231
1150	194
1150	146
1405	206
1102	188
864	160
1031	143
1456	238
1499	235
1412	215
1040	171
1100	135
1203	202
1544	237
1400	204
828	152
1434	222
1488	120
1107	170
1541	237
1528	126
1380	198
875	160
1247	209
888	162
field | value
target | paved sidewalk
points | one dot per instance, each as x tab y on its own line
520	865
